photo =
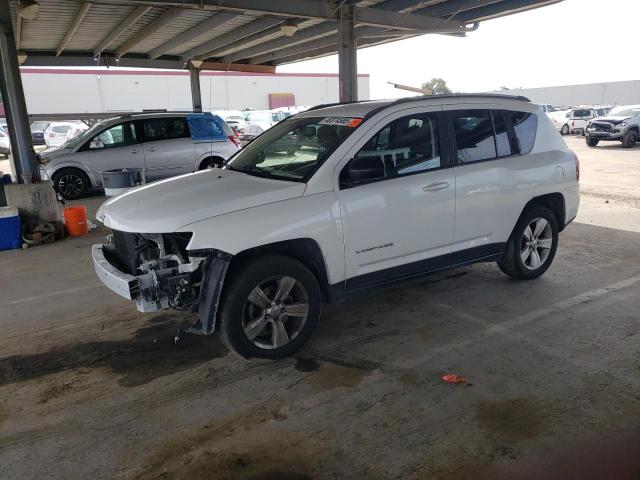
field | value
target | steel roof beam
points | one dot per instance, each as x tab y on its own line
236	35
499	9
307	34
319	10
191	34
158	24
84	9
128	22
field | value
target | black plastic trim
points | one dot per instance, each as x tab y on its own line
485	253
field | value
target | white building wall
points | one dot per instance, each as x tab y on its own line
608	93
84	91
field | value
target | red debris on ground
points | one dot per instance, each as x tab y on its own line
454	379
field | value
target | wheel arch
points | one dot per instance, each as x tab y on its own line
554	202
215	158
77	166
305	250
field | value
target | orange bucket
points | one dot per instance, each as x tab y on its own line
75	220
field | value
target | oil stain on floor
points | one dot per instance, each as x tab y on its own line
151	353
333	373
513	418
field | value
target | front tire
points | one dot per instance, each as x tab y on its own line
630	139
71	183
592	142
532	245
270	307
564	130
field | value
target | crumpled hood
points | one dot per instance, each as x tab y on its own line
165	206
613	119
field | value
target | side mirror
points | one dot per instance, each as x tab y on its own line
364	169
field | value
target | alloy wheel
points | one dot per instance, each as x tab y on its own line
70	185
275	312
536	243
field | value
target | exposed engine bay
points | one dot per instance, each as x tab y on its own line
170	276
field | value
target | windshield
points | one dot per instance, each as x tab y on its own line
294	148
625	112
86	135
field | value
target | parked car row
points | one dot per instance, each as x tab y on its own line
575	120
621	124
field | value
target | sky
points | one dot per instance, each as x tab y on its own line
571	42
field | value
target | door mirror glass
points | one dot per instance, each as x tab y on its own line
365	169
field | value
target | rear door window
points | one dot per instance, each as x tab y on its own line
502	136
156	129
473	131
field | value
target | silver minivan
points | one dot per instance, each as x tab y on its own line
163	144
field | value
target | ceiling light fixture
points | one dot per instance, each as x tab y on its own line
28	9
289	28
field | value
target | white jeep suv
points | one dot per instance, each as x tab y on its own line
373	193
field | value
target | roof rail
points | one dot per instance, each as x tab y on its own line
445	96
334	104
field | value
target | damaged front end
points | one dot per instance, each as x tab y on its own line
158	272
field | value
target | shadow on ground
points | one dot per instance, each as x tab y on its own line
151	353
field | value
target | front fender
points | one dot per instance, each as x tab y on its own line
316	217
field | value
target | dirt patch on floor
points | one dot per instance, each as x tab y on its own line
247	446
151	353
54	391
517	417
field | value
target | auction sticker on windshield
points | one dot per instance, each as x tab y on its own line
341	121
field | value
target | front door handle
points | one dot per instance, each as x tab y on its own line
435	187
151	149
135	150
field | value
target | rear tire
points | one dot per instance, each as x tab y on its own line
71	183
630	139
564	130
270	307
532	245
592	142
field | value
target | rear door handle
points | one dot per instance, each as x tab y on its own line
135	150
151	149
434	187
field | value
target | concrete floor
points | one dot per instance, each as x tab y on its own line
89	388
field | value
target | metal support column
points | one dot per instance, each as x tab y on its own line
24	162
347	54
196	95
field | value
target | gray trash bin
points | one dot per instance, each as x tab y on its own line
119	180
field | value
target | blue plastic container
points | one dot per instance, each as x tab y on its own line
9	228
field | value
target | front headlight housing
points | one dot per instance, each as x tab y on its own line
622	124
44	160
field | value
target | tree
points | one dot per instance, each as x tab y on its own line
437	86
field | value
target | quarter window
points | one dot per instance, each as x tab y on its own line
525	126
474	135
165	129
407	145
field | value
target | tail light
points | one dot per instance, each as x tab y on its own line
234	139
573	124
